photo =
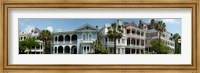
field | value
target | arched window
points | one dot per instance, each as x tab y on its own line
67	49
60	49
56	39
74	37
90	36
55	49
84	36
24	38
60	38
73	50
67	38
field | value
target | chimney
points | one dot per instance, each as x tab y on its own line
140	21
96	27
119	22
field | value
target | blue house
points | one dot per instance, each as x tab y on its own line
77	41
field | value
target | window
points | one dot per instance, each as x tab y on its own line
84	36
133	41
60	38
133	31
142	34
138	33
56	38
24	38
111	40
118	40
127	31
138	41
40	46
142	42
37	47
90	36
55	49
128	41
84	49
123	41
87	48
118	50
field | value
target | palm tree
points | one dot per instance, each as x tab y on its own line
45	36
160	27
114	32
176	37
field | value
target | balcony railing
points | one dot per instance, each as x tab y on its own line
65	42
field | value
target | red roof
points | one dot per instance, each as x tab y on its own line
133	24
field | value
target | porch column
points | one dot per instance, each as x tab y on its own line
64	50
57	51
57	39
139	51
53	50
130	41
87	49
148	49
135	42
35	49
70	52
117	50
70	40
81	50
135	51
130	31
63	38
121	51
130	50
140	42
136	31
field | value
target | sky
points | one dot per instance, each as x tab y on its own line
173	25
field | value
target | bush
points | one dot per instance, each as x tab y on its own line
101	51
160	48
104	51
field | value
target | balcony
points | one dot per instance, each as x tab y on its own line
87	41
65	42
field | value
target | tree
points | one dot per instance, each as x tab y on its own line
164	49
45	36
176	36
114	32
160	27
22	47
31	42
28	44
97	46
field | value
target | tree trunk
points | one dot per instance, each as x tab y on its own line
45	48
159	42
114	46
30	51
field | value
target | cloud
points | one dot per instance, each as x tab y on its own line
28	29
50	29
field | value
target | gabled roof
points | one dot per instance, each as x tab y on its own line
132	24
86	26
